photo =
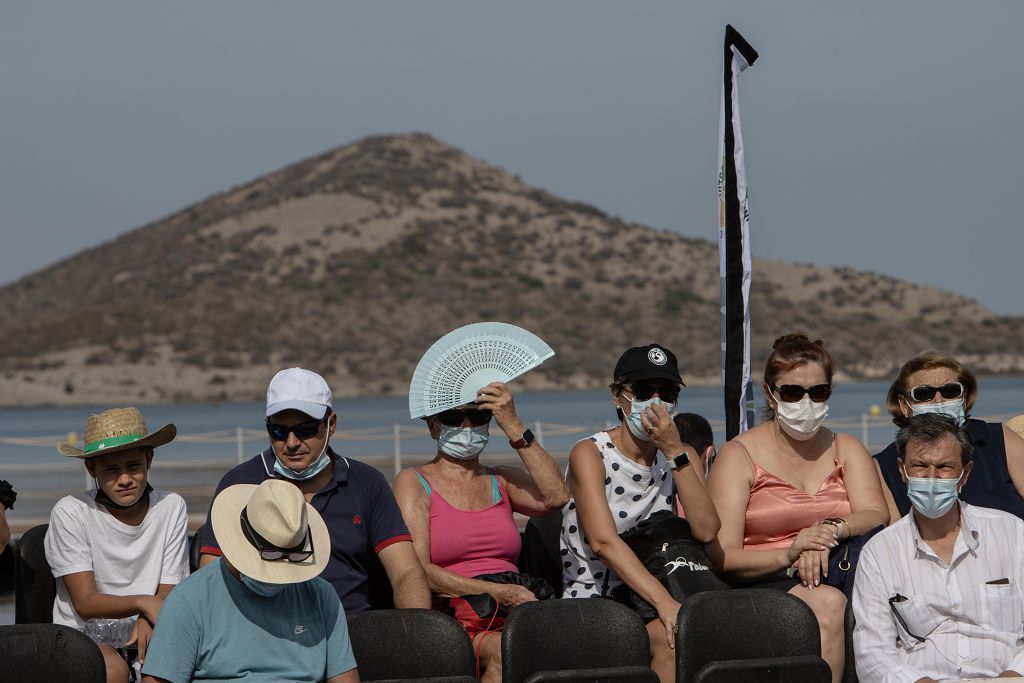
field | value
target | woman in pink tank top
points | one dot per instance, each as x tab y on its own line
460	513
789	490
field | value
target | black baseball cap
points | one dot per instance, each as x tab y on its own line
653	361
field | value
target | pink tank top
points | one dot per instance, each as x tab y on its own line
473	542
777	511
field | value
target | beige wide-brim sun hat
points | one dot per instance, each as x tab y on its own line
119	429
279	513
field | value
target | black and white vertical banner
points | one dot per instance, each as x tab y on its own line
734	242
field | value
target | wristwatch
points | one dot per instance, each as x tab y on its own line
522	442
679	462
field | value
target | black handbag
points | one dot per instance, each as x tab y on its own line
487	607
665	545
842	562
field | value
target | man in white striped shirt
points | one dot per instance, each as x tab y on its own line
938	593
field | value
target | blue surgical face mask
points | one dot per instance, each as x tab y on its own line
636	410
314	468
462	443
262	588
930	496
954	409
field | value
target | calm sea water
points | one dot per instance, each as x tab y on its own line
192	468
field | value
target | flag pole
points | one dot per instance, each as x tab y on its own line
734	242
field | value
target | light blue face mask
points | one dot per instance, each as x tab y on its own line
462	443
314	468
262	588
954	409
636	410
931	497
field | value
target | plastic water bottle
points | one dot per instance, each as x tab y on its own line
112	632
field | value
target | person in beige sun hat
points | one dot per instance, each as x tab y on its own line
260	610
118	550
259	524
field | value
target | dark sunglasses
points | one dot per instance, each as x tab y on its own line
643	391
925	392
791	393
303	430
454	417
271	552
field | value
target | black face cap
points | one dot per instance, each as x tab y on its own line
653	361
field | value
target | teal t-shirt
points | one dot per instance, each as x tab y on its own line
213	628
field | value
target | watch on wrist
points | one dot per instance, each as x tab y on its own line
522	442
679	462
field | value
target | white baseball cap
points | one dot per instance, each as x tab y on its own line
298	389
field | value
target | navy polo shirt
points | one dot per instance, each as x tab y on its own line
988	486
359	509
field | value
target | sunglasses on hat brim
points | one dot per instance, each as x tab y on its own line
269	551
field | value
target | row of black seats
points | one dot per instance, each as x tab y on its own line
745	636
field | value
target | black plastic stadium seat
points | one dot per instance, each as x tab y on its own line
751	635
539	556
589	639
34	589
773	670
30	653
410	644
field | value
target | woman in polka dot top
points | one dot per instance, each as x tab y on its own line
622	476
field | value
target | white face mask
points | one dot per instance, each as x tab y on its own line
636	411
463	443
953	409
800	420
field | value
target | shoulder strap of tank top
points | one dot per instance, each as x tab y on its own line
495	488
745	452
423	480
835	449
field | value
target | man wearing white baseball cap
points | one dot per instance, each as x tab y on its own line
259	613
353	498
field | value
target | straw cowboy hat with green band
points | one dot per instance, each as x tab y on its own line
119	429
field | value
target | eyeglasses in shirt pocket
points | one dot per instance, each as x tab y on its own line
919	618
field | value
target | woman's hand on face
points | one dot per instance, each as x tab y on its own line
663	432
812	566
512	594
496	398
815	537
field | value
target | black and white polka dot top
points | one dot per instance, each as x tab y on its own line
634	493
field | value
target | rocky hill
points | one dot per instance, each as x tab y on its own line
355	261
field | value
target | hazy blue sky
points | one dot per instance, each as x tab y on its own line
880	135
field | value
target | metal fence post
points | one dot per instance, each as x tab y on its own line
398	448
864	429
240	445
538	433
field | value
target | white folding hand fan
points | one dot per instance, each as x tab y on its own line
469	358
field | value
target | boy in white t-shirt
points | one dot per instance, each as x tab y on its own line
117	551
